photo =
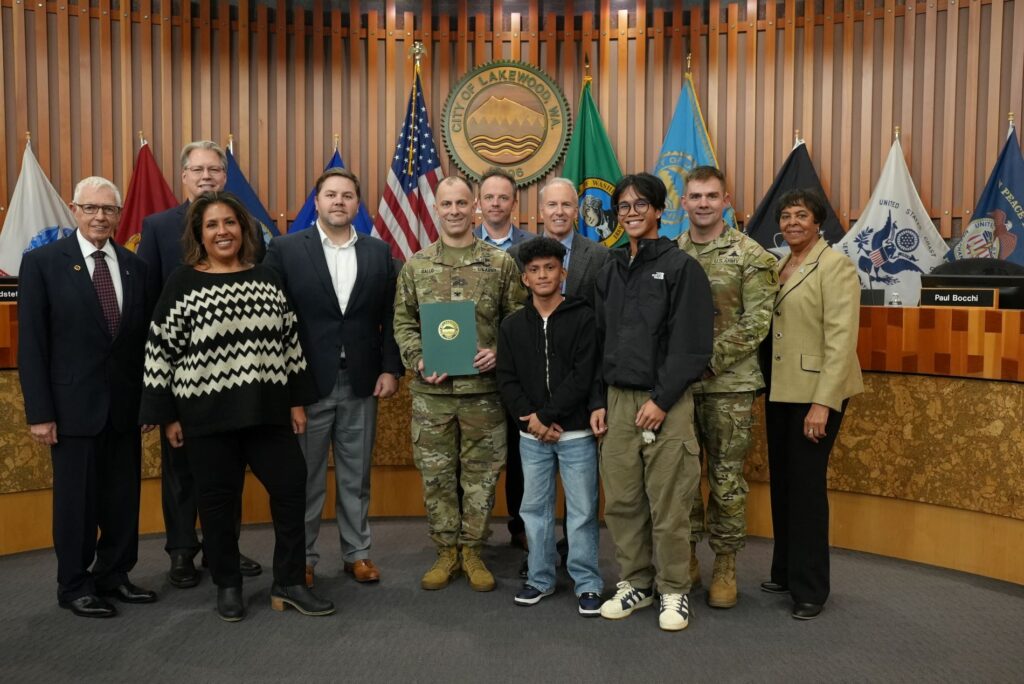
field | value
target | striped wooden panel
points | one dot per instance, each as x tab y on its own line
274	76
955	342
8	335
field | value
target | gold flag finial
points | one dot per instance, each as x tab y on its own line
796	136
896	132
28	136
1009	117
142	140
689	57
337	138
417	51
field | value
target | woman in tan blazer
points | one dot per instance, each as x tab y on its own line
812	371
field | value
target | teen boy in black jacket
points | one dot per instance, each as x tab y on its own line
546	356
655	328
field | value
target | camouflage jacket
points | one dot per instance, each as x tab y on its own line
486	276
743	285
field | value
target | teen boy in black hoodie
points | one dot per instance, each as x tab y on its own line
546	357
655	329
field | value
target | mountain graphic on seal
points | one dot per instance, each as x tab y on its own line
504	131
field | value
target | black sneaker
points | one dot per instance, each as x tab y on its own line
530	595
590	604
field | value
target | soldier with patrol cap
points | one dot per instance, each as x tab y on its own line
457	420
743	285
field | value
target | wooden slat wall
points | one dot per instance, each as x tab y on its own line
284	80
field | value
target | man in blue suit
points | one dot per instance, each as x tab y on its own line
83	316
342	285
497	199
203	169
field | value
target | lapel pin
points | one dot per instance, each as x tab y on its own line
77	267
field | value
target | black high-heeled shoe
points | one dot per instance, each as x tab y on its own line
299	597
230	606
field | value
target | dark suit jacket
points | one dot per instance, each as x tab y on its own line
585	259
160	244
71	371
365	329
518	235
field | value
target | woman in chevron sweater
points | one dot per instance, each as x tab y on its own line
226	378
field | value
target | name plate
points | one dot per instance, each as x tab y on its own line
9	292
984	297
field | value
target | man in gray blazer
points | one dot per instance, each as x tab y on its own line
559	206
497	198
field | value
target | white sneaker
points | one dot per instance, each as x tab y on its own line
627	599
675	612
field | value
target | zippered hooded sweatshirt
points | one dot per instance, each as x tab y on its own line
548	370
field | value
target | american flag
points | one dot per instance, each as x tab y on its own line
406	218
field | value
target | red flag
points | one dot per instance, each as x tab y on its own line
148	193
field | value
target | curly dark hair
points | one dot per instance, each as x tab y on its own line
541	248
804	197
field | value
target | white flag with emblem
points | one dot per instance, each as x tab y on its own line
37	215
894	241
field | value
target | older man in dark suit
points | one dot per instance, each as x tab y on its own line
203	169
83	314
342	285
559	207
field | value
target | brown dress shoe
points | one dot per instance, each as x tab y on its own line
309	576
363	570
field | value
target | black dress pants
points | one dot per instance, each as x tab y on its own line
513	477
218	464
797	468
95	487
178	499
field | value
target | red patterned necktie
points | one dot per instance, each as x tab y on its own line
104	285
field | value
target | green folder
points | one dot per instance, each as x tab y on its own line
449	337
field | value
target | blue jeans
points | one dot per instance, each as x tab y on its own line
576	461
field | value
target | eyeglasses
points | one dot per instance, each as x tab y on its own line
198	170
91	209
640	206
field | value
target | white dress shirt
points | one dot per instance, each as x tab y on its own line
111	257
341	262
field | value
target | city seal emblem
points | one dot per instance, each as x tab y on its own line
509	115
448	330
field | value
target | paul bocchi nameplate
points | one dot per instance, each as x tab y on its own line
449	337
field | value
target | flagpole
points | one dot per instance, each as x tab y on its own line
417	51
337	137
231	144
142	140
896	132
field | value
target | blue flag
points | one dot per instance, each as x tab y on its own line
687	145
307	215
997	230
238	186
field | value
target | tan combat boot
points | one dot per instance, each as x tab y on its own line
722	593
480	578
445	568
694	568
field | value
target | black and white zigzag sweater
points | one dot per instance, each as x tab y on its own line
223	353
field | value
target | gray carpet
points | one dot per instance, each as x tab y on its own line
887	620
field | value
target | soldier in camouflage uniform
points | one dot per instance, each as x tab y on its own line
457	420
743	284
